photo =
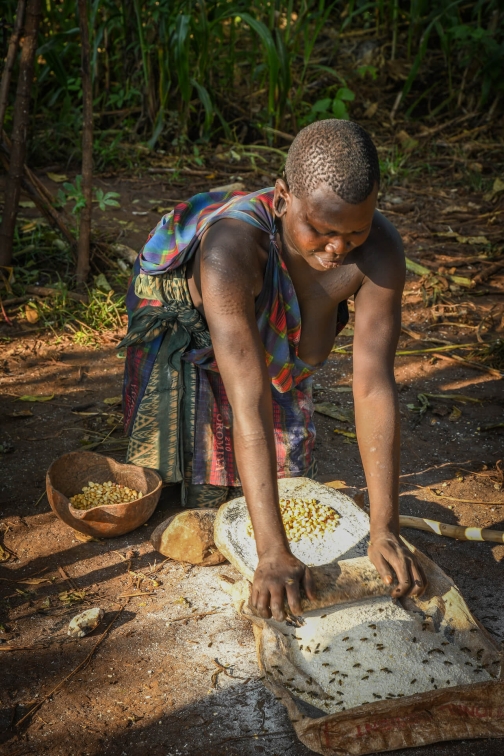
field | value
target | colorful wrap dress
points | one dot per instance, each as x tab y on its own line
176	411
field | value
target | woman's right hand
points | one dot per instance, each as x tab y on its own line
279	575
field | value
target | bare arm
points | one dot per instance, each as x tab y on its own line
377	329
230	278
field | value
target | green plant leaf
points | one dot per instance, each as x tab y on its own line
339	109
345	94
322	106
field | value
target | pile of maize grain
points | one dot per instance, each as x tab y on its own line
304	518
99	494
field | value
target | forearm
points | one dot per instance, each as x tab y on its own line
378	435
254	448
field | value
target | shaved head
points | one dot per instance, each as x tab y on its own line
338	153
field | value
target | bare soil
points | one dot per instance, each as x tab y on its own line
151	684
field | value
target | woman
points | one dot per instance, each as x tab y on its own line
235	302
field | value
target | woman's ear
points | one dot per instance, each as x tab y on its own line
281	197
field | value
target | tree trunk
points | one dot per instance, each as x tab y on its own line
35	189
9	61
87	149
19	130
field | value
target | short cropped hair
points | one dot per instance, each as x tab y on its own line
338	153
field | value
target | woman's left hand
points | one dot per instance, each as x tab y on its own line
394	561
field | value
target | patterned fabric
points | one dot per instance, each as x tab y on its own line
160	310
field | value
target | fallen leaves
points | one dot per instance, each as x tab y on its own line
337	413
72	597
58	178
21	413
348	434
495	191
35	398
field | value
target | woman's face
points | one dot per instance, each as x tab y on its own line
323	228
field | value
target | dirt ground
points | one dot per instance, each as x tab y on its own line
151	684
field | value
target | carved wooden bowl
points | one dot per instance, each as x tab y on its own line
70	473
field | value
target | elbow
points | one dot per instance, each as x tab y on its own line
374	386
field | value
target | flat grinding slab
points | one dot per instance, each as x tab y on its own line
349	540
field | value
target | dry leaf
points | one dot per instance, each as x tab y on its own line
72	597
455	414
370	112
113	400
32	398
407	142
473	240
58	178
32	315
4	555
237	186
336	484
497	188
21	413
347	434
29	227
35	581
84	537
337	413
26	203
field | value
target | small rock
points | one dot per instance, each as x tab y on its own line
189	537
85	622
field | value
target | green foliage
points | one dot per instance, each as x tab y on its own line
170	72
330	107
73	193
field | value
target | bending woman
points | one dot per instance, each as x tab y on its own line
235	302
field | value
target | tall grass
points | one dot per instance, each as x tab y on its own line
176	70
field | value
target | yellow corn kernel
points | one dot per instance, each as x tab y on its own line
304	518
100	494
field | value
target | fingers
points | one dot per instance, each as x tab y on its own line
401	568
384	569
261	602
309	585
419	579
294	597
277	603
392	559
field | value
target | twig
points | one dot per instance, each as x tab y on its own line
469	363
282	134
46	291
40	498
488	272
434	467
67	578
80	666
491	426
454	498
194	616
35	189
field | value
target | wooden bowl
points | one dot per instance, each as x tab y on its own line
70	473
